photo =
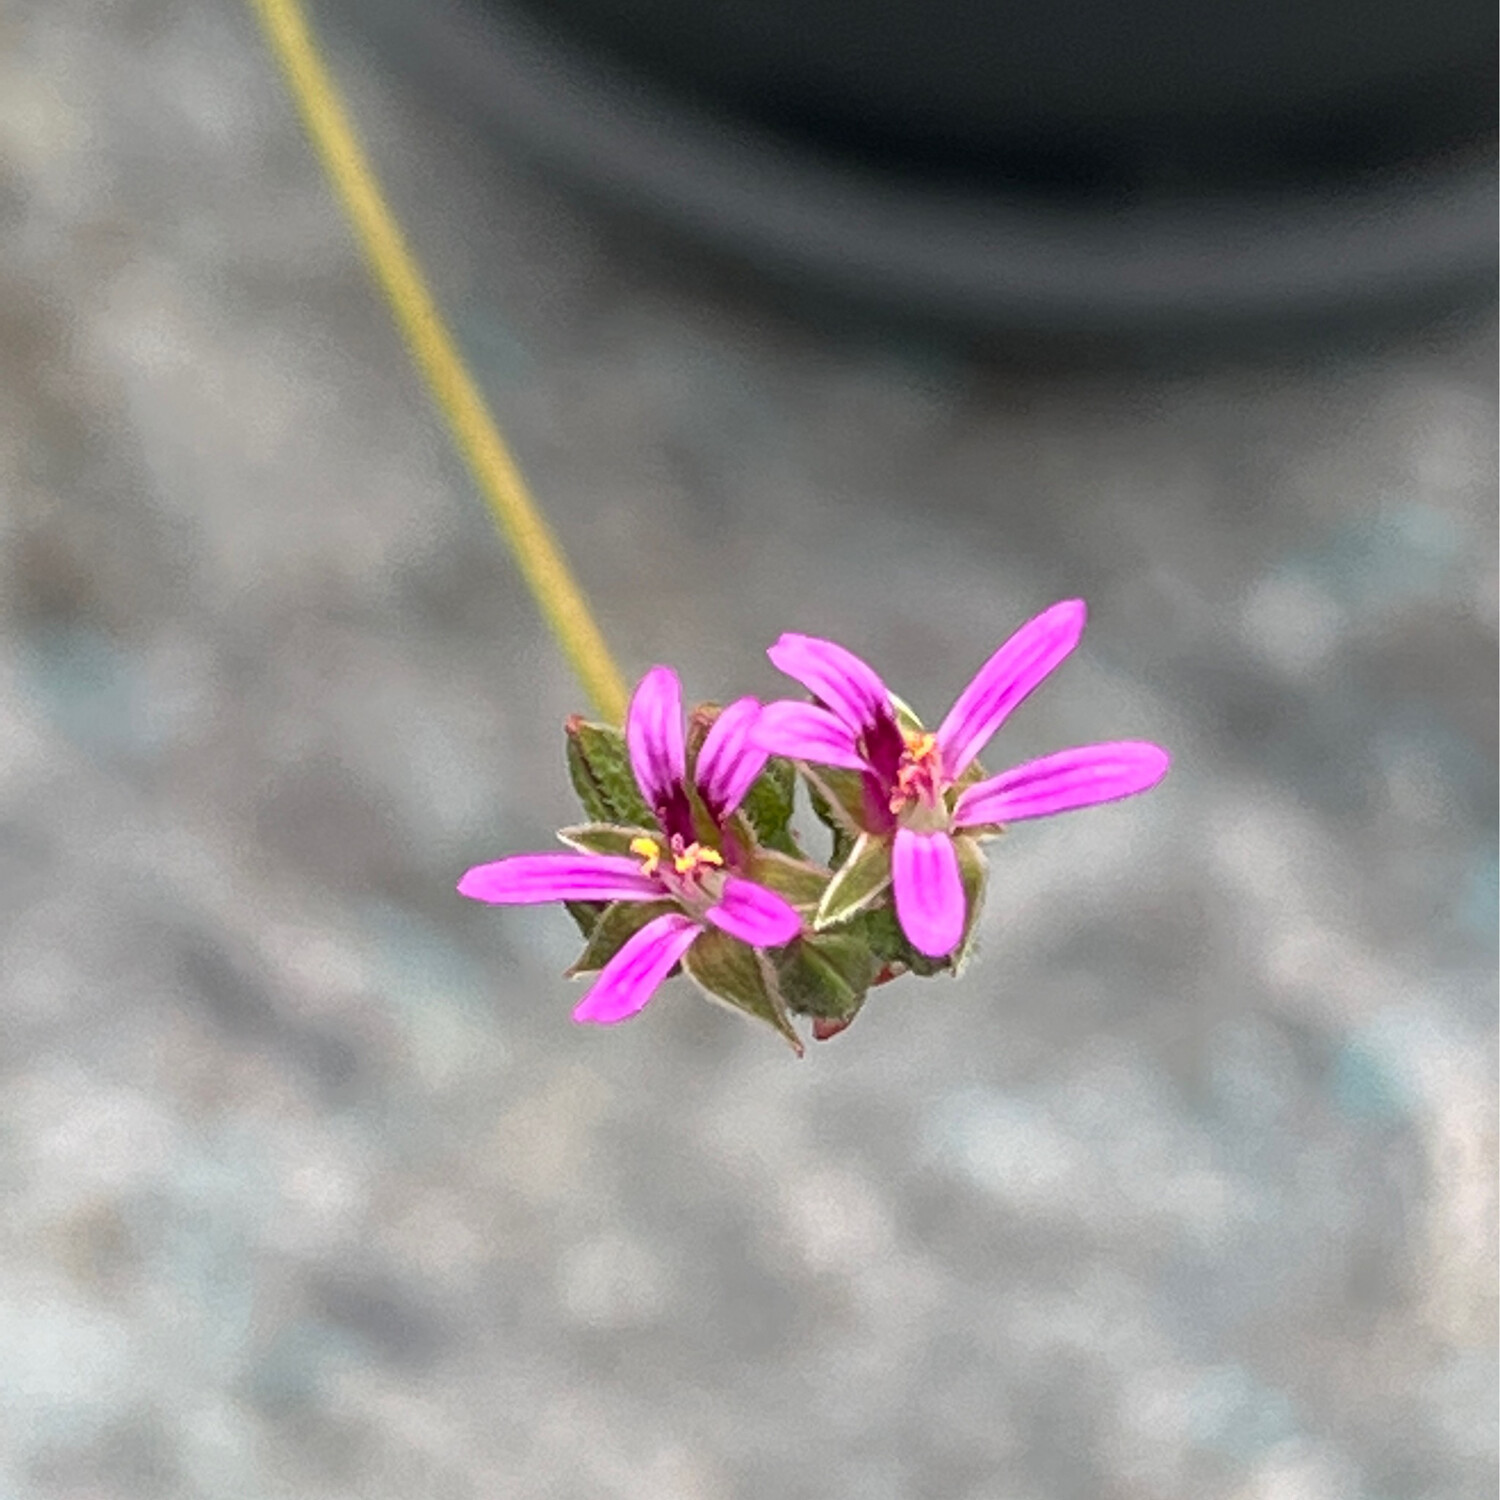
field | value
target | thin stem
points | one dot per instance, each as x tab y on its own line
436	355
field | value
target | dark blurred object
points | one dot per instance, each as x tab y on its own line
1064	167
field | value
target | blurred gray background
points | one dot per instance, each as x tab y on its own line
1186	1190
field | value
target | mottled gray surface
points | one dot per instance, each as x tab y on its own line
310	1187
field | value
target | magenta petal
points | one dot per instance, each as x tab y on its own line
930	902
754	915
730	760
634	974
846	684
1061	782
802	731
524	879
1024	661
653	732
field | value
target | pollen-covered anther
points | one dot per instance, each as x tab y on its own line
919	778
649	851
685	860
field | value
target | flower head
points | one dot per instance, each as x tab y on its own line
686	866
916	797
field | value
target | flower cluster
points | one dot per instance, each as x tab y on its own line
689	856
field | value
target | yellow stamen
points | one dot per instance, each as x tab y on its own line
693	856
649	851
918	769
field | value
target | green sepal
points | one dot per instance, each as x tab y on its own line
982	832
705	830
881	933
737	976
768	805
838	801
973	773
799	880
700	720
619	922
586	914
973	870
879	930
906	720
858	883
605	838
826	974
765	811
599	767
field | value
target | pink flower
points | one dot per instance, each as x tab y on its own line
697	878
910	776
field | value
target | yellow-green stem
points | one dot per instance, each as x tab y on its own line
436	355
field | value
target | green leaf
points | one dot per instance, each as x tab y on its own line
973	869
605	838
599	766
620	922
799	880
858	883
826	974
733	973
768	806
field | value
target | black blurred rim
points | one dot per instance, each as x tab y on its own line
1024	265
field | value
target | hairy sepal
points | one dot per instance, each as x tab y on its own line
973	870
882	935
799	880
585	914
857	884
826	975
734	974
764	815
906	719
768	806
604	838
615	926
838	802
599	768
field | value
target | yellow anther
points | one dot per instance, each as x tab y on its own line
920	772
693	856
649	851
